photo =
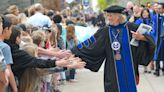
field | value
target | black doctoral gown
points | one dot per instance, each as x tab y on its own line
99	50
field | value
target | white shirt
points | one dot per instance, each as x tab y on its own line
39	20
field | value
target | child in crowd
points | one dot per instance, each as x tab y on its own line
3	76
5	34
70	43
29	77
37	37
3	73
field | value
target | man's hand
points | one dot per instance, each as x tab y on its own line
76	63
62	62
72	62
138	36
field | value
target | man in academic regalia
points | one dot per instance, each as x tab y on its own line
157	32
111	44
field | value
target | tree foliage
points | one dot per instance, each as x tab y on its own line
102	4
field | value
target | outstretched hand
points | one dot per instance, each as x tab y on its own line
71	62
62	62
76	63
63	54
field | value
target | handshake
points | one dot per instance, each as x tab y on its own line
70	61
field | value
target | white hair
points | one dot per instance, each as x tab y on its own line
121	19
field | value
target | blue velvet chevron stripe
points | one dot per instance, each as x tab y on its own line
124	67
92	39
87	42
80	45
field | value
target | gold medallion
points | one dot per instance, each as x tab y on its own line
118	56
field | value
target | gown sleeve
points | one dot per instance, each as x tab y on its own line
144	53
92	50
146	50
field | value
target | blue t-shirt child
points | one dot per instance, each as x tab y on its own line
6	51
2	62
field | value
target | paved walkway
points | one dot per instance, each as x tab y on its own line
93	82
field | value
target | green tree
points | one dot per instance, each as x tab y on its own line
102	4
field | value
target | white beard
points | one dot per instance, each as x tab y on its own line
112	23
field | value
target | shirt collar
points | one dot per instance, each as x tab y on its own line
39	13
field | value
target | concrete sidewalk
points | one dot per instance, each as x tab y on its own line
93	82
151	83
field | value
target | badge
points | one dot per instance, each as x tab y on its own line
116	46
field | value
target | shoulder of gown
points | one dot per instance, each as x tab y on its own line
92	50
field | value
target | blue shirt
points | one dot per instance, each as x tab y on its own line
39	20
6	52
2	62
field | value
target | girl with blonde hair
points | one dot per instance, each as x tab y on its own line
30	81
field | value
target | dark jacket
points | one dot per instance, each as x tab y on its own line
22	60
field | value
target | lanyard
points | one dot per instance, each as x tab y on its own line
116	44
115	36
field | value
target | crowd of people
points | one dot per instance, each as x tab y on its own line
152	15
35	44
34	57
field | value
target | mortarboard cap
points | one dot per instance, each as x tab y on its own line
114	9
